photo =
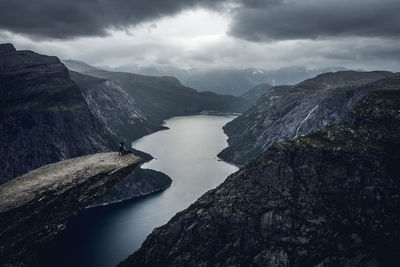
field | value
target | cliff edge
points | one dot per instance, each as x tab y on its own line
36	206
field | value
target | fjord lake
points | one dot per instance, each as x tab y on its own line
104	236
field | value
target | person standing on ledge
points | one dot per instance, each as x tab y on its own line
122	150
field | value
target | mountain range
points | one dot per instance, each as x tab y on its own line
163	97
319	184
232	81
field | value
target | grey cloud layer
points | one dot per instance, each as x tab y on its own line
350	33
255	20
310	19
71	18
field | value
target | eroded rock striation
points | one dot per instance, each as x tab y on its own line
287	112
331	198
36	206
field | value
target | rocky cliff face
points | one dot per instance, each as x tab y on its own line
327	199
36	206
163	97
286	112
140	182
48	114
111	105
125	120
43	115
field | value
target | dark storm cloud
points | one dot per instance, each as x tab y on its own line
70	18
310	19
255	20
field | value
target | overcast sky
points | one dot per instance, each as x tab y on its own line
268	34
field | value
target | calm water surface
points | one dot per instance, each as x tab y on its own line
187	152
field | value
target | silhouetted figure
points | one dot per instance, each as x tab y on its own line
122	150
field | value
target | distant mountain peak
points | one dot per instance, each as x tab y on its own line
77	65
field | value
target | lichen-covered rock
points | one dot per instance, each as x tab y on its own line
36	206
331	198
287	112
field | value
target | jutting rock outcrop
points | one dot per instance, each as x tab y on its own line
331	198
48	114
43	116
36	206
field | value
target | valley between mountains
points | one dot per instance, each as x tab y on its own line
318	183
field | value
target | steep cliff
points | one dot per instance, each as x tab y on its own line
163	97
43	116
286	112
140	182
111	105
36	206
48	114
327	199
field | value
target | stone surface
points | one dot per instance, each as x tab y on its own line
287	112
331	198
36	206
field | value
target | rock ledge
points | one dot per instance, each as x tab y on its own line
36	206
